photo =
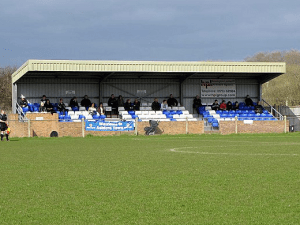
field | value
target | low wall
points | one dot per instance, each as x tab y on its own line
271	126
42	124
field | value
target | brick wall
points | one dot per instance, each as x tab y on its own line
228	127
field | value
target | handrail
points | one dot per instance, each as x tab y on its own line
22	116
273	109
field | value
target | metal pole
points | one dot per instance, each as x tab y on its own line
28	128
136	126
82	127
284	124
186	126
236	125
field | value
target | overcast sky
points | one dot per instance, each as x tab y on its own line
190	30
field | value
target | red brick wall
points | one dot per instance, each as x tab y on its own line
228	127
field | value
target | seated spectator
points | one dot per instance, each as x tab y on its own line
229	105
86	102
61	106
92	110
120	101
101	109
197	103
23	102
113	103
136	105
128	106
235	105
43	101
258	108
172	101
248	101
215	105
156	105
74	103
164	105
223	105
48	106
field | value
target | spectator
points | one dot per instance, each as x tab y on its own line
248	101
215	105
101	110
42	104
164	105
155	105
235	105
229	105
258	108
23	102
113	103
172	101
128	106
197	103
3	125
61	106
223	105
92	110
136	104
48	106
120	101
74	103
86	102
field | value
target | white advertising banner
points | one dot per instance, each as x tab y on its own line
218	88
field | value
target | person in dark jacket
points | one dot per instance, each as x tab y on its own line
23	102
136	105
197	103
172	101
48	106
156	105
128	106
3	125
229	105
113	103
215	105
43	101
61	106
120	101
248	101
74	103
86	102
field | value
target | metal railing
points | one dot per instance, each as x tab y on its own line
21	114
272	110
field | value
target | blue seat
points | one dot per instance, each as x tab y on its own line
215	125
81	117
103	117
173	120
25	109
67	117
210	120
269	115
231	115
225	112
257	114
263	115
131	112
61	117
265	111
251	114
179	112
172	112
134	116
35	109
243	115
96	117
169	116
75	108
219	111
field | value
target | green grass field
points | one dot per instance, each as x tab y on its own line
185	179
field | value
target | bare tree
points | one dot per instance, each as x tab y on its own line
285	88
5	87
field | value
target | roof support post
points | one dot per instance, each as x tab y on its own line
14	97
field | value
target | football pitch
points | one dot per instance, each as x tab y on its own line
181	179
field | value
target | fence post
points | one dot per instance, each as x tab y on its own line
186	126
82	127
236	125
284	124
136	126
28	126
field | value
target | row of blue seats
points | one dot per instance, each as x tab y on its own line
166	112
237	111
240	115
96	117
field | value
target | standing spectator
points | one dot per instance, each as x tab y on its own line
136	105
101	110
156	105
61	106
223	105
42	104
128	106
172	101
48	106
120	101
113	103
164	105
74	103
248	101
23	102
197	103
86	102
3	125
215	105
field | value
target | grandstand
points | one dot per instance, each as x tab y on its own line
147	80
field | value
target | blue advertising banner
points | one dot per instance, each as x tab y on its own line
109	125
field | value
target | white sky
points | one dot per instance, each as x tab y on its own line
191	30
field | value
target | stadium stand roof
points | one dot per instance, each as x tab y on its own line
263	71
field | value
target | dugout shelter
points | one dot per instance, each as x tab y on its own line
145	80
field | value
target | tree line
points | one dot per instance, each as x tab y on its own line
282	90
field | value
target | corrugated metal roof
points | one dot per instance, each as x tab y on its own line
148	66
